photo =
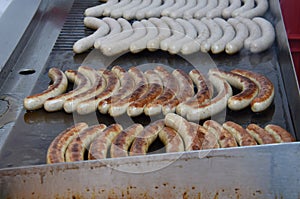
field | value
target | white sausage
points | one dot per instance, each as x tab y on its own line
211	4
97	11
241	35
229	33
107	10
203	34
117	13
141	14
248	5
215	34
234	4
217	11
141	43
163	32
190	35
189	14
268	36
177	5
156	12
130	14
179	12
260	9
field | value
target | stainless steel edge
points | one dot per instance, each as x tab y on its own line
248	172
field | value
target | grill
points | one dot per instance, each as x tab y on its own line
25	140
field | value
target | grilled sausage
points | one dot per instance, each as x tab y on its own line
121	143
97	85
57	148
171	139
280	134
204	138
163	32
260	9
214	106
203	95
248	87
100	145
127	86
216	33
225	139
266	91
260	135
217	11
248	5
234	4
91	104
57	103
241	35
268	36
141	86
242	137
59	86
141	144
155	89
81	143
170	88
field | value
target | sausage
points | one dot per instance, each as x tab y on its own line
266	91
177	5
57	148
163	32
234	4
88	42
126	31
225	139
260	9
268	36
254	31
117	13
248	5
229	33
90	105
57	103
171	139
204	94
241	35
141	44
141	86
97	86
130	13
141	14
242	137
186	91
179	12
280	134
215	105
146	137
115	28
108	9
80	143
217	11
216	33
170	88
121	143
122	46
211	4
100	145
98	10
203	34
189	14
155	89
156	12
205	138
190	35
248	87
260	135
59	86
177	33
127	86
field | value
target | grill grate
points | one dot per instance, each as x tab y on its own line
74	28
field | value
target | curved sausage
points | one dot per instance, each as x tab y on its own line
130	14
108	9
179	12
248	87
98	10
266	91
211	4
143	140
242	137
248	5
163	32
260	135
57	148
117	13
216	33
189	14
171	139
80	143
280	134
141	14
225	139
234	4
241	35
100	145
155	86
217	11
214	106
57	103
59	86
156	12
260	9
177	5
121	143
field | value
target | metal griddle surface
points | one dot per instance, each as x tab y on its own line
33	131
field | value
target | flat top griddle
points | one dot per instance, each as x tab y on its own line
33	132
